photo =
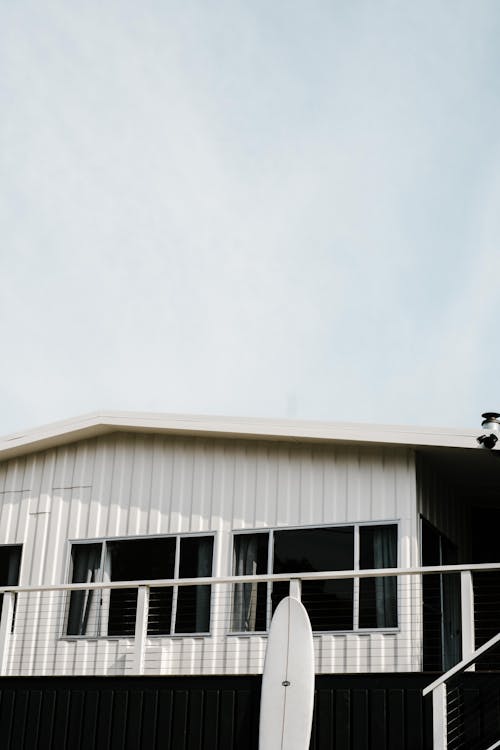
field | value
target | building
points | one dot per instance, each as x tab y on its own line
119	497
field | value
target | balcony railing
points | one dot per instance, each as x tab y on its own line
448	715
131	627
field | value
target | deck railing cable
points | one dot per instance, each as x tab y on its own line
363	621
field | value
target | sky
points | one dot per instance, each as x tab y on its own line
279	209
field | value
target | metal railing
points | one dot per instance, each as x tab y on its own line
438	690
35	639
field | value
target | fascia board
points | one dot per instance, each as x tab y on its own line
100	423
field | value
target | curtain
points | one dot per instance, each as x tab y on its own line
86	562
203	570
245	594
385	556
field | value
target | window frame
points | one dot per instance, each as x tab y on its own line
356	525
103	541
19	545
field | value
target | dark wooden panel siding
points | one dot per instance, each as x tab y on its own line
362	712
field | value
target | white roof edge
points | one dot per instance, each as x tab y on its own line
98	423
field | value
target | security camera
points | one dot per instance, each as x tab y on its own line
491	427
487	441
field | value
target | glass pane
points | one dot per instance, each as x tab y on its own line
140	560
84	605
378	548
10	562
249	599
193	602
328	603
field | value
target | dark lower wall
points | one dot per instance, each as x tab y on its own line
361	712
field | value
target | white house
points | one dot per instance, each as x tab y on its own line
142	497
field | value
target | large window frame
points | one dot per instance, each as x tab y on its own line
356	526
104	604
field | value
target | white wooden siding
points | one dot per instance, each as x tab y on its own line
134	485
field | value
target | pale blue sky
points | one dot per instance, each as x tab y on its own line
250	208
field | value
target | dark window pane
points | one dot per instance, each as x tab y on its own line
136	560
328	603
308	550
249	599
378	548
193	602
83	605
10	562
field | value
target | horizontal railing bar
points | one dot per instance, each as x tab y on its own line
461	665
264	578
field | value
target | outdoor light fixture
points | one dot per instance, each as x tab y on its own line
491	428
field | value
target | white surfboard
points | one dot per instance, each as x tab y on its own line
287	698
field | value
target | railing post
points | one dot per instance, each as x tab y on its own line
9	599
439	718
468	627
141	629
296	588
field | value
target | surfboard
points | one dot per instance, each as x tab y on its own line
287	697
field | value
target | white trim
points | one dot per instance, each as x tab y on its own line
126	538
324	575
103	423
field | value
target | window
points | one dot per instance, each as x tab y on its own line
331	605
378	607
10	562
171	609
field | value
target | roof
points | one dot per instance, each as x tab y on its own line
101	423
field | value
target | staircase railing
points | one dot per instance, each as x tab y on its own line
438	689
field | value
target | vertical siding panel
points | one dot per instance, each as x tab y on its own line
103	469
309	503
224	488
38	518
84	463
355	508
167	498
10	502
178	506
202	487
239	497
294	483
283	493
12	490
119	501
341	511
15	478
262	514
367	511
140	493
156	500
64	465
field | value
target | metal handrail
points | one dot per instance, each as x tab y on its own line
264	578
462	665
438	691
